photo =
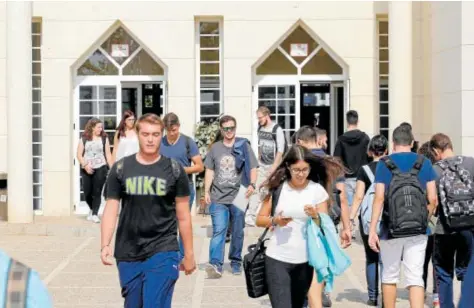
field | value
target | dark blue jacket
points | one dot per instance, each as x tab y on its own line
242	159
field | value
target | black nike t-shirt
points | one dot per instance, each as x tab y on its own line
148	222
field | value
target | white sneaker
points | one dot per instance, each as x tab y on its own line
89	217
96	219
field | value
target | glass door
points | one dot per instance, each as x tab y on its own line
94	101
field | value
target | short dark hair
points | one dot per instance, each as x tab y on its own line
378	145
227	118
441	142
427	151
408	125
170	119
306	133
402	135
352	117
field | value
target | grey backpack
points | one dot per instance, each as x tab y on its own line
456	190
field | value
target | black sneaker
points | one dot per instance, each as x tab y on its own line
326	300
372	302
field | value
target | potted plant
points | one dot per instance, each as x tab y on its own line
206	132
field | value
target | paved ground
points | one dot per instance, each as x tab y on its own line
70	266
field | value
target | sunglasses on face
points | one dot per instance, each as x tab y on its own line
228	129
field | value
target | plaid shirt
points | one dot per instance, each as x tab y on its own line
23	288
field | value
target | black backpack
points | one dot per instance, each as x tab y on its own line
274	135
334	209
405	210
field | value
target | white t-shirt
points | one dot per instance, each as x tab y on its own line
288	244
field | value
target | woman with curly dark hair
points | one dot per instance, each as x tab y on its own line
303	180
93	154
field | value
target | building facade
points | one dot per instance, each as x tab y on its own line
309	62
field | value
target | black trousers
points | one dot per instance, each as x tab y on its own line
92	185
428	258
288	283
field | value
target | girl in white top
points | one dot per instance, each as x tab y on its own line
125	140
300	176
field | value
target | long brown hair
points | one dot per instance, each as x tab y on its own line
121	128
88	134
324	169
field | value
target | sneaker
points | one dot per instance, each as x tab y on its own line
326	300
372	302
213	272
436	301
89	217
227	238
96	219
236	269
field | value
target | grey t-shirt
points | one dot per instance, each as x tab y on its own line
227	178
468	164
266	144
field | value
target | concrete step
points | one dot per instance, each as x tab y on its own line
78	226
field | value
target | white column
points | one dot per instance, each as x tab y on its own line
19	84
400	67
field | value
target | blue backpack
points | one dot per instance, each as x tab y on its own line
367	202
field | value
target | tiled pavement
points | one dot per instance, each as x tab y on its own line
70	266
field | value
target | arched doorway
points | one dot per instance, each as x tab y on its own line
302	82
118	74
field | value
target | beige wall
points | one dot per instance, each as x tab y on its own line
3	92
168	30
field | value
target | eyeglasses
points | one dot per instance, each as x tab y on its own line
131	119
228	129
302	171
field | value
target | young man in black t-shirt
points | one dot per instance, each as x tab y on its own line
154	191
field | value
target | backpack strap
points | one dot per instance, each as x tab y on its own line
369	173
417	165
390	165
17	284
175	167
275	197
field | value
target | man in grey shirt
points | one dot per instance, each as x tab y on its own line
271	147
223	180
452	249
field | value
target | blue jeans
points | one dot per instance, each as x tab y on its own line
452	253
372	262
220	222
467	296
192	194
350	186
149	283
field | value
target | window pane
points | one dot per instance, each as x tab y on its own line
383	109
266	92
36	95
36	67
286	92
107	107
37	191
209	27
210	109
383	54
120	45
36	176
209	55
383	122
210	82
322	63
383	27
36	54
37	136
209	41
299	36
383	41
109	122
86	107
383	68
286	122
286	107
87	92
276	63
83	121
107	93
37	204
384	132
36	122
36	109
36	40
97	64
36	81
143	64
383	93
210	95
270	105
37	150
210	69
36	27
37	163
